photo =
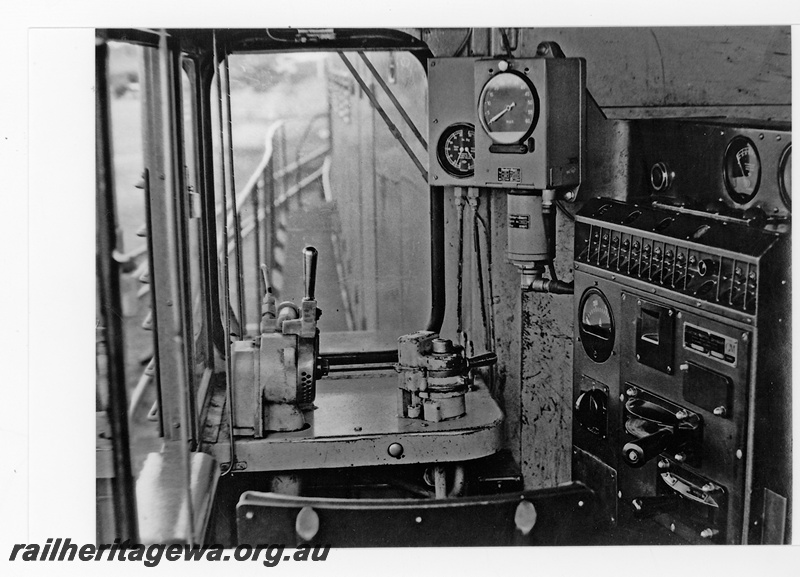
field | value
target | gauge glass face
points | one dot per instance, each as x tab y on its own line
785	176
508	108
596	317
742	170
596	325
456	150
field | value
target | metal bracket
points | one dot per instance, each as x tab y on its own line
389	124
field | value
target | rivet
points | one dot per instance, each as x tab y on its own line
249	515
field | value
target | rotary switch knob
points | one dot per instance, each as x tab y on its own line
591	408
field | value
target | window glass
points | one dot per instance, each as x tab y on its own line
325	170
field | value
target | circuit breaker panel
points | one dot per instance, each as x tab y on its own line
679	320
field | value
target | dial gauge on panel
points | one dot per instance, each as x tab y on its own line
596	325
508	108
456	150
742	169
785	176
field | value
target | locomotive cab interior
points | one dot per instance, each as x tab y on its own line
436	287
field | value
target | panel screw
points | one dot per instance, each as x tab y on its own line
745	337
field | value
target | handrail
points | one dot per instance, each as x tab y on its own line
298	164
260	168
258	172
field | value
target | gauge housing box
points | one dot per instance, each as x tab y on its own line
450	102
552	154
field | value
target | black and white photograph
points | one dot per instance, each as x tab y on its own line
404	295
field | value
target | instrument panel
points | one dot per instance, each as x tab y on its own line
515	123
731	168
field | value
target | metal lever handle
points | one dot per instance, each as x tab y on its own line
648	506
484	360
638	452
309	271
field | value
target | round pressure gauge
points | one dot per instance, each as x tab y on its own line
785	176
508	107
456	150
742	169
596	325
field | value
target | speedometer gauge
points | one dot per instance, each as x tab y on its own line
508	108
455	150
596	326
742	170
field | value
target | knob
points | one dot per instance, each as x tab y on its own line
661	176
638	452
309	271
680	457
590	411
632	392
720	411
396	450
708	267
709	533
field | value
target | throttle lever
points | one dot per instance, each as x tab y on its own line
309	272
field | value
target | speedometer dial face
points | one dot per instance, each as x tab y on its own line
456	150
508	108
742	170
596	325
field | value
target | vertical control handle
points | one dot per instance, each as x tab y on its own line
309	272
